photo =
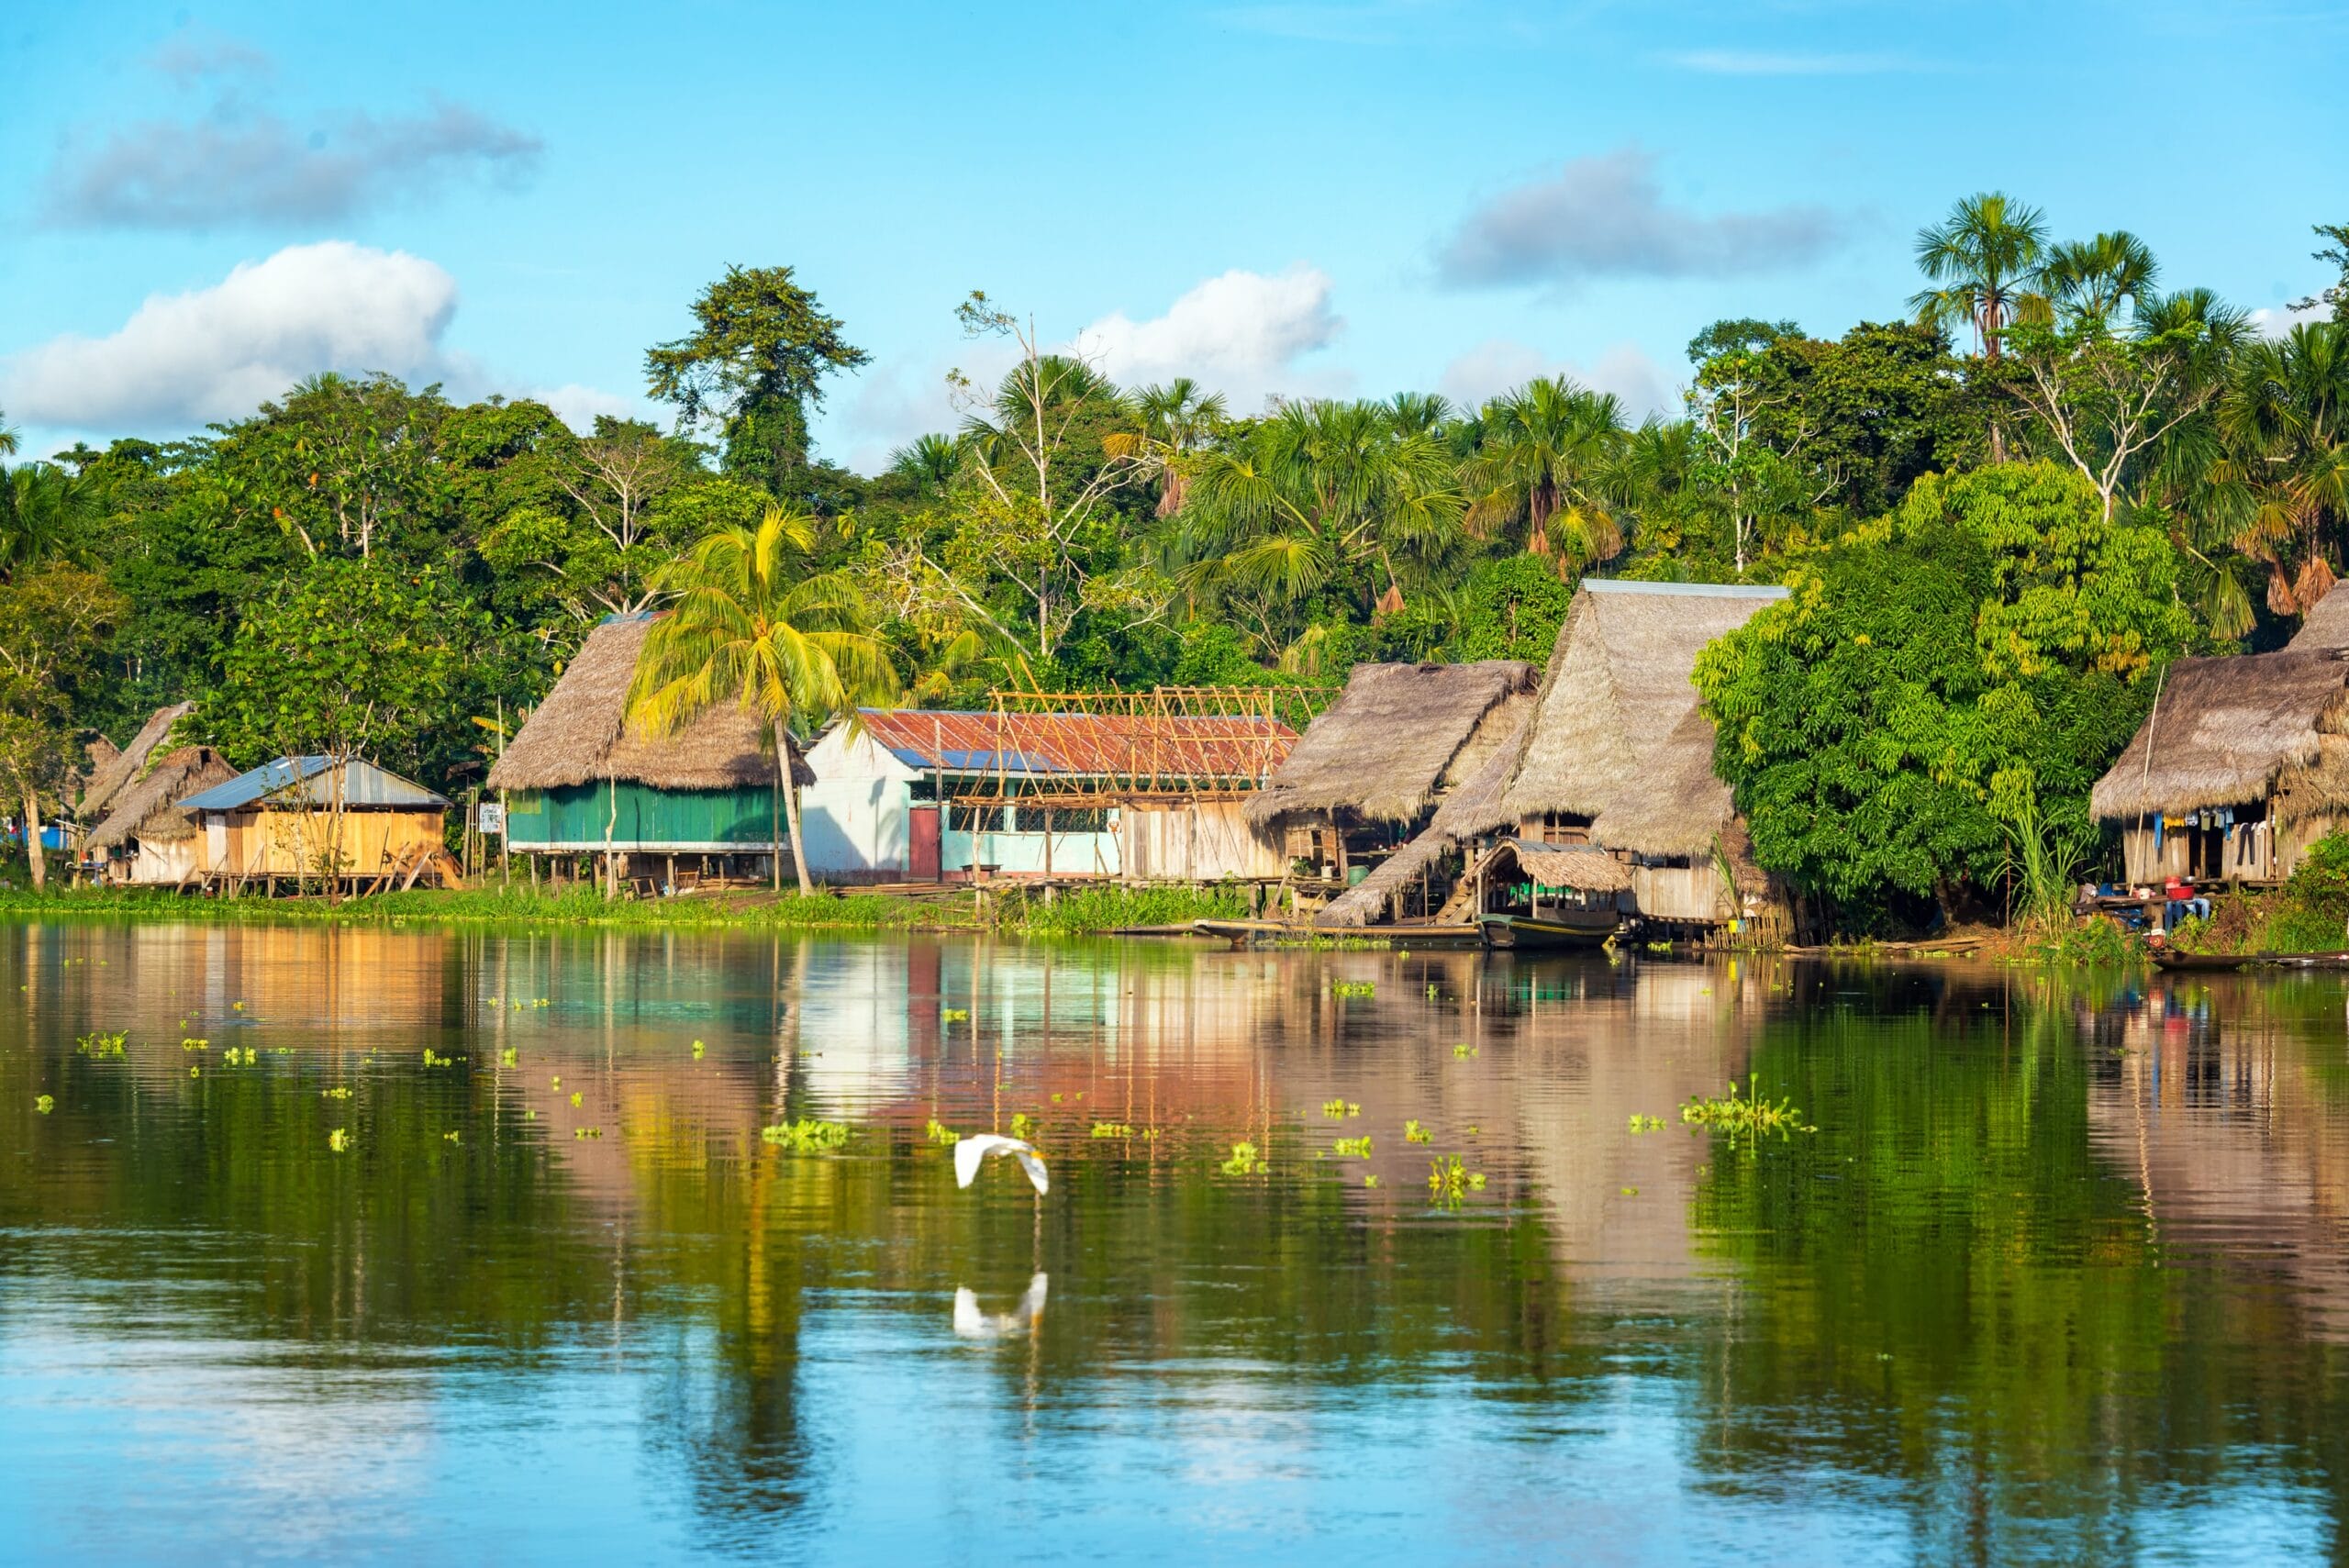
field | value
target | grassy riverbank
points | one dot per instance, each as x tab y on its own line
1073	912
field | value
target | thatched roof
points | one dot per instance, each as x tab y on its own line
1679	805
578	735
1384	748
150	808
109	777
1616	685
2326	625
2222	730
1569	865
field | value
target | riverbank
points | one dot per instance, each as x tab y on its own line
1081	911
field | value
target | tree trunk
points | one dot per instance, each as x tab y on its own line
790	793
34	865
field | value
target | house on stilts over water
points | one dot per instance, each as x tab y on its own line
580	781
1612	757
1135	787
1359	802
2242	763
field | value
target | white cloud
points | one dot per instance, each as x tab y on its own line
216	353
1606	217
580	406
2276	320
1241	334
1765	62
1498	364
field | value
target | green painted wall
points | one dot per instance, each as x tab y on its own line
647	818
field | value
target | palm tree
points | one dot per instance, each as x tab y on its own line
2090	279
750	624
1549	458
1985	257
7	435
2280	481
1418	413
41	506
1315	490
1176	419
931	461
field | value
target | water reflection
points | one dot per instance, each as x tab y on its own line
2060	1275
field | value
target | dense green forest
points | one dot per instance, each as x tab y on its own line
2001	514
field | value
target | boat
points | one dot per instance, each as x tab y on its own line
1587	932
2207	962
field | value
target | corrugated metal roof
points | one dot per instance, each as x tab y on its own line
1094	744
293	781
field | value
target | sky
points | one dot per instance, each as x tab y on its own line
201	205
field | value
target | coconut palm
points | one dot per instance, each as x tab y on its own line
2091	279
1549	458
1985	259
750	624
1319	490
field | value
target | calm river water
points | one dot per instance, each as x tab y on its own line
2061	1275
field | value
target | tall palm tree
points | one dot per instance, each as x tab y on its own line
931	461
1549	458
40	505
1315	490
1985	259
2091	279
1418	413
750	624
1175	420
2280	482
7	435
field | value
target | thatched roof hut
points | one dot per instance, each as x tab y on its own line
2225	731
1576	866
1617	687
1389	743
1680	804
2326	625
150	808
580	734
121	768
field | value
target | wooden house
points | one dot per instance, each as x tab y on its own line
309	818
579	780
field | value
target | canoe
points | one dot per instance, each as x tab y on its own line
2209	962
1523	932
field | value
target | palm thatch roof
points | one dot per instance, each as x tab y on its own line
1679	805
1577	866
2222	731
107	779
580	734
1385	748
2326	625
1617	686
150	808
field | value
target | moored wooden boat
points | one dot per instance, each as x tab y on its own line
1523	932
2220	961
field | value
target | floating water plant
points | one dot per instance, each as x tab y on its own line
555	1082
1023	1126
45	1103
100	1045
586	1132
339	1140
953	1014
1646	1123
699	1048
937	1133
1746	1113
574	1099
1463	1052
1353	988
432	1059
451	1136
1338	1110
509	1057
194	1044
1358	1147
1414	1133
1370	1181
806	1136
1447	1178
1112	1130
1244	1161
341	1091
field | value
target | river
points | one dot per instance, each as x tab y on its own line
410	1243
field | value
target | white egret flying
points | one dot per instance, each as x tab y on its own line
969	1151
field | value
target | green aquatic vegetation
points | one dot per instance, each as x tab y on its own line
433	1059
1627	1192
1355	1147
586	1132
193	1044
196	1072
451	1135
509	1057
1338	1110
1371	1181
45	1103
1244	1161
341	1091
1414	1133
1353	988
1112	1130
1449	1177
237	1057
1747	1113
574	1099
95	1046
339	1140
699	1048
1646	1123
1023	1126
937	1133
806	1136
953	1014
555	1082
1464	1051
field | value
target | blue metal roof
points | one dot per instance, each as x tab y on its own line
300	781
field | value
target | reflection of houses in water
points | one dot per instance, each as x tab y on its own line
2222	1104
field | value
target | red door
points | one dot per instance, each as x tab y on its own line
923	847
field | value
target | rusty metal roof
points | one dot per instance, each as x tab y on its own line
1167	747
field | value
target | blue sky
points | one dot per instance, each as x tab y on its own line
1342	198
